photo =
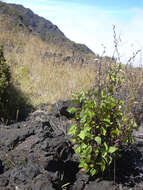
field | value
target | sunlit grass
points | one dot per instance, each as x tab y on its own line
40	78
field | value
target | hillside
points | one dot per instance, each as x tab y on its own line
24	19
45	64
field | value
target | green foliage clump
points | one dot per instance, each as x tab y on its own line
4	79
4	73
101	125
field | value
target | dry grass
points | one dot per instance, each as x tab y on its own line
43	81
39	77
49	83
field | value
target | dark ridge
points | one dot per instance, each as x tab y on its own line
24	18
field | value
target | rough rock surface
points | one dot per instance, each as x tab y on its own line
37	154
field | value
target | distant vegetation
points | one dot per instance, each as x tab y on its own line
4	80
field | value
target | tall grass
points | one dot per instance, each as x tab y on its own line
38	76
43	78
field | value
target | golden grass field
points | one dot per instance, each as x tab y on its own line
40	78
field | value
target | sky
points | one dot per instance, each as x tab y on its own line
91	22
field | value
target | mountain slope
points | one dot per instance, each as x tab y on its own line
25	19
45	65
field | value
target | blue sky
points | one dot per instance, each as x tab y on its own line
90	21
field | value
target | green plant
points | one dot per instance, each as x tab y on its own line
4	73
4	79
101	125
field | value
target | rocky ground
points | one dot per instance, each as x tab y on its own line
37	154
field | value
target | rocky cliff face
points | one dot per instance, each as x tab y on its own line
25	17
37	154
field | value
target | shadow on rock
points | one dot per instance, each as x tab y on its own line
64	174
127	171
15	105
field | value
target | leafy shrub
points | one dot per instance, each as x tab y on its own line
101	125
4	79
4	73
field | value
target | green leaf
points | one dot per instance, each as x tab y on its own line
102	164
72	129
83	119
104	154
107	120
90	114
113	78
72	110
81	165
91	165
74	140
119	107
98	140
103	167
110	160
93	172
87	127
132	139
75	102
112	149
135	125
85	165
89	150
78	149
83	146
96	151
82	134
102	93
103	131
88	158
105	146
115	132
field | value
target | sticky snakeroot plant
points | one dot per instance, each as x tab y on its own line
101	126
